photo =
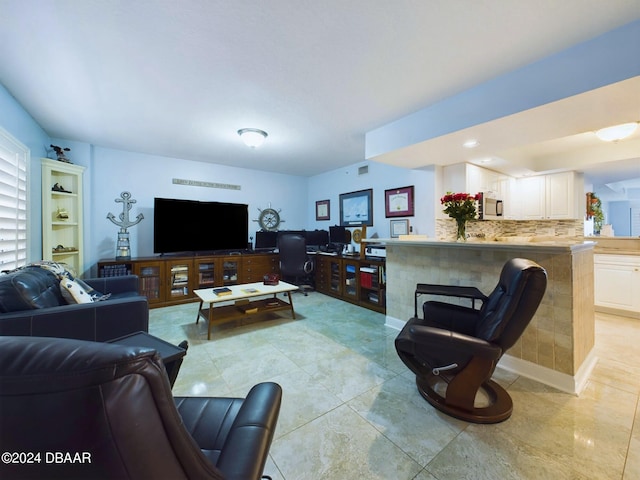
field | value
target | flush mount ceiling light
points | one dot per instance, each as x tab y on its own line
471	143
252	137
617	132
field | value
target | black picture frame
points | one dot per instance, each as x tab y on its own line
323	210
356	208
399	202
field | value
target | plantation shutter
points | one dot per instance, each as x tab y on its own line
14	159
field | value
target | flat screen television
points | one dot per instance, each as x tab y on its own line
194	226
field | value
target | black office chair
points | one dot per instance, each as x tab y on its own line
454	349
295	264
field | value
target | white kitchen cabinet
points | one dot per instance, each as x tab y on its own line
465	177
551	197
532	198
617	282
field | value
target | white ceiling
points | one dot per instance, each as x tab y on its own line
180	78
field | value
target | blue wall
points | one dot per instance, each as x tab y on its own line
15	120
619	216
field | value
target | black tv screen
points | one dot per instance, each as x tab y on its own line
194	226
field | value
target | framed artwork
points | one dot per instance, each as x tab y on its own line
356	208
398	202
322	210
399	227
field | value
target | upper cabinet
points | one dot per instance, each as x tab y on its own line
465	177
469	178
555	196
62	213
551	197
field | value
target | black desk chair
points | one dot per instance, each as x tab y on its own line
454	349
295	264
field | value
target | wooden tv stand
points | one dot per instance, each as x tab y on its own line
171	280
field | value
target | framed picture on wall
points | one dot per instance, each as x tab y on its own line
322	210
398	227
356	208
398	202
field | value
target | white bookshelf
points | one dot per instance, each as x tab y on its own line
62	213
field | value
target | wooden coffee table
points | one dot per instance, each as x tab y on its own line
243	301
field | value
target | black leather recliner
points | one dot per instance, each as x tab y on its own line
79	409
454	349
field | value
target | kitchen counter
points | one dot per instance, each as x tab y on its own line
502	243
557	346
617	245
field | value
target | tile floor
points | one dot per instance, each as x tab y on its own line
351	409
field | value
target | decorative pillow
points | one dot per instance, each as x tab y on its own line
95	295
73	292
64	271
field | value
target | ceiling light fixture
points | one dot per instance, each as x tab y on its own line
252	137
473	143
617	132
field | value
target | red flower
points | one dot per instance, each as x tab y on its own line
460	205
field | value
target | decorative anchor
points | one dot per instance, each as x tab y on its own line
123	250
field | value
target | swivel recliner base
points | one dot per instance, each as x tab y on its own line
461	403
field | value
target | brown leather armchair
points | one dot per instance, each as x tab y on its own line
454	349
79	409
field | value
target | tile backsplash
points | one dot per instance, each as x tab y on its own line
446	228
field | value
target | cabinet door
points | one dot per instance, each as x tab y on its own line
617	282
230	270
151	275
351	281
180	278
532	197
559	195
372	285
204	272
335	276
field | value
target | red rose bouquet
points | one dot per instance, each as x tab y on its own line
462	208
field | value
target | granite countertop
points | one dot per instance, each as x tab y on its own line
515	243
617	245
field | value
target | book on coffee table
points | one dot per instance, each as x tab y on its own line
222	291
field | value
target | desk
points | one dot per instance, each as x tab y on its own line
242	306
171	355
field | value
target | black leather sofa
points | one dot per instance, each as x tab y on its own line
105	411
31	304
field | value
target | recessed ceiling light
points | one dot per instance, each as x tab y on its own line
617	132
471	143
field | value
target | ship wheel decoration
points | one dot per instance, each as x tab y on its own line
269	219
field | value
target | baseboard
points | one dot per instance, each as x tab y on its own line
617	311
561	381
394	323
